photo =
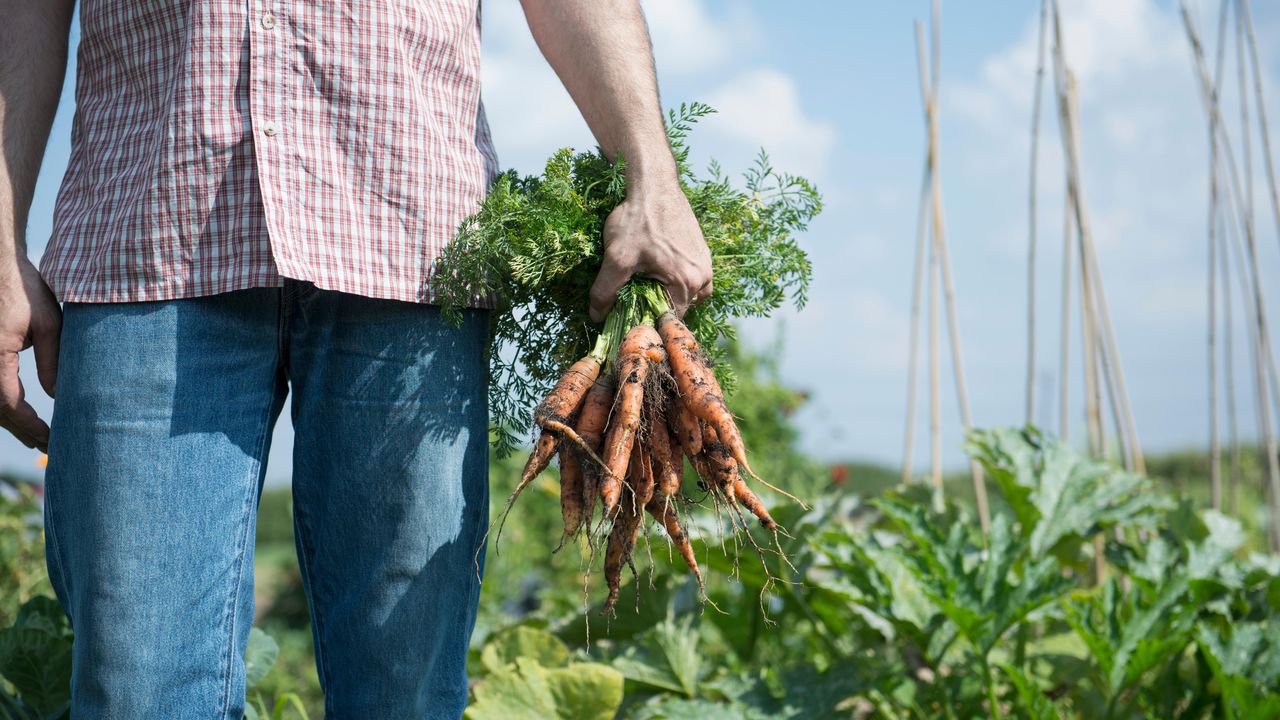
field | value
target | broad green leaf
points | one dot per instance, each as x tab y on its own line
526	690
514	693
586	691
1010	456
668	659
523	641
1224	531
907	600
259	657
38	665
44	613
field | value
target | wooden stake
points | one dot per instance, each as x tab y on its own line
1031	217
922	218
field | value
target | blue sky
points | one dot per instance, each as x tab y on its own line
830	89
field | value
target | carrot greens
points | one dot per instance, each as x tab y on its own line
535	245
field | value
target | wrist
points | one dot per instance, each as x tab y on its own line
651	179
653	168
12	270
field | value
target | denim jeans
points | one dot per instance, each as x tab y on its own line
159	442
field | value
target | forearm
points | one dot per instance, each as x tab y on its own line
33	60
601	51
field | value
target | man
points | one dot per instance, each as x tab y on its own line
256	195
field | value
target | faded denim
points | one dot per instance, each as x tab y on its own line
157	453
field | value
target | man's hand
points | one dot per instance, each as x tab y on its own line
600	49
654	233
29	316
33	61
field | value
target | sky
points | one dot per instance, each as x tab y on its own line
831	91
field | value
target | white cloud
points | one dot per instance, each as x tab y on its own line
688	40
762	108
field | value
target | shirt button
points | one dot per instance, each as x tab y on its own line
268	21
269	128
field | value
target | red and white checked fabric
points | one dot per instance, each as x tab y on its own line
221	144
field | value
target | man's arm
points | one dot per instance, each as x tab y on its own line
600	49
33	61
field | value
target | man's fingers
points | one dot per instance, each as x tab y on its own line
604	291
703	293
45	341
16	414
680	297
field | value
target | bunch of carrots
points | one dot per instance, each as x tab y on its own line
639	396
622	423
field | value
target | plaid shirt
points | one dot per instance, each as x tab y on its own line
222	144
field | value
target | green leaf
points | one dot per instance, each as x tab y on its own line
1034	703
589	691
38	664
527	690
259	657
44	613
523	641
1059	496
668	659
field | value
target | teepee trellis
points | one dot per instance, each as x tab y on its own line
932	226
1104	379
1233	239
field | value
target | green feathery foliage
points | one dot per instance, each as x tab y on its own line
536	244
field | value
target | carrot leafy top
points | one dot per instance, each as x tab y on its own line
535	246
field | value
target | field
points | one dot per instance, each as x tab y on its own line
887	609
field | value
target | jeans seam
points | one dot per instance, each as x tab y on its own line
56	557
322	657
233	601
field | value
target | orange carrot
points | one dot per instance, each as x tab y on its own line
633	368
571	497
701	392
730	484
539	459
562	403
665	513
685	426
641	460
666	462
622	541
743	495
722	465
698	387
592	421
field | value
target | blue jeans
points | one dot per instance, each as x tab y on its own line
159	442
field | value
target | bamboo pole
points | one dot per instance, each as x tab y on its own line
922	218
1257	352
1267	157
1031	216
1215	446
1233	434
1229	367
1064	346
940	270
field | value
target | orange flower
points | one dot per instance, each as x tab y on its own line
43	460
